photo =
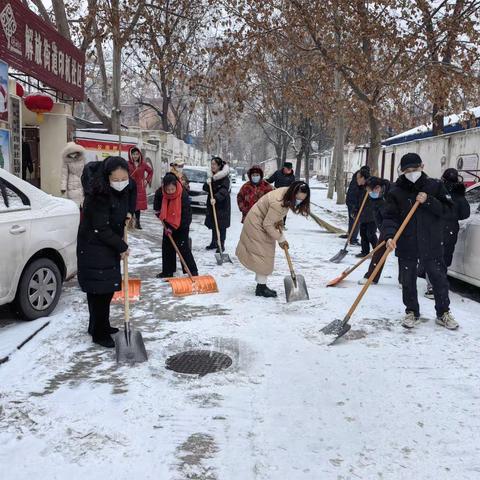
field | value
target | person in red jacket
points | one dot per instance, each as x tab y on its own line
252	191
141	172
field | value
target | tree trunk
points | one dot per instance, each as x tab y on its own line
116	88
331	176
307	163
298	166
437	120
338	149
61	18
375	142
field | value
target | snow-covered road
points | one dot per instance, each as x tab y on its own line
384	403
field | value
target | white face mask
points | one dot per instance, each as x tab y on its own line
256	178
179	169
413	176
119	186
298	202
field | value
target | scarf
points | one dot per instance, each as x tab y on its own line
171	211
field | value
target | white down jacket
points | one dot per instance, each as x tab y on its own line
72	172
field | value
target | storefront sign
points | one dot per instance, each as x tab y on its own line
16	140
30	45
3	92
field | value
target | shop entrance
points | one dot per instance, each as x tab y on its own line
31	155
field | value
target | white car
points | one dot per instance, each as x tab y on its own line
38	239
197	176
466	259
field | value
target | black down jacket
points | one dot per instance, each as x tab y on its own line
423	236
280	179
100	241
186	219
354	194
460	211
221	193
379	204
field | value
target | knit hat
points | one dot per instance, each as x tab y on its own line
288	165
410	160
450	175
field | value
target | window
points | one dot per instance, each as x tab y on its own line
11	198
195	176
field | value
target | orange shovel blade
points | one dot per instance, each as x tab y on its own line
184	286
133	291
336	281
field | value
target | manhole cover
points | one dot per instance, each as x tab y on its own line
198	362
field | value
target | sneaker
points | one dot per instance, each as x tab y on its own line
361	255
429	294
344	236
212	246
264	291
363	281
410	320
355	243
447	321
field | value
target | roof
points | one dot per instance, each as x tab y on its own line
452	123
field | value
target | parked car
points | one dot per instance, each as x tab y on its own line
197	176
233	177
38	237
466	259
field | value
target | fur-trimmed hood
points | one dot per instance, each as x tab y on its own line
130	159
222	173
72	147
255	169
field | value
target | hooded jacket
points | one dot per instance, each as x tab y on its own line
72	169
221	193
251	193
141	174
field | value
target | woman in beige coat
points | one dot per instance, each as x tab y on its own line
73	156
263	228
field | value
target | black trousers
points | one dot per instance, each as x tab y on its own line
223	236
350	225
437	273
99	309
169	256
137	215
374	261
368	235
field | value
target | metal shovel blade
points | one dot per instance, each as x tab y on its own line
335	330
222	258
339	256
129	347
295	291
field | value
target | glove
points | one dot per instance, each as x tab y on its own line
279	225
168	231
284	245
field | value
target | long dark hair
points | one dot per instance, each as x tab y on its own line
100	183
219	161
169	179
290	197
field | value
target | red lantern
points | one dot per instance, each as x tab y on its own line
19	90
39	103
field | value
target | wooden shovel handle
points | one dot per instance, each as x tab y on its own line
214	209
357	219
348	271
380	263
290	263
182	260
125	279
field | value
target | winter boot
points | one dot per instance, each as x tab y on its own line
223	249
212	246
344	236
113	330
363	281
137	225
164	275
106	342
355	243
361	254
429	294
263	291
447	321
410	320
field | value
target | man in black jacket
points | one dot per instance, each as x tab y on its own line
284	177
422	239
355	193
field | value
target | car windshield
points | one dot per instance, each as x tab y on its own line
195	176
473	198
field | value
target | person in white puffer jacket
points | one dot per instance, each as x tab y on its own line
73	156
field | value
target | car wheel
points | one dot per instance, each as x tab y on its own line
39	289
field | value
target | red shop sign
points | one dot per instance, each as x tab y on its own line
30	45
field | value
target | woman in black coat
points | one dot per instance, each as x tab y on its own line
221	200
100	247
172	206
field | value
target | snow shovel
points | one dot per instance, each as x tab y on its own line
220	257
338	328
343	252
129	346
349	270
295	286
183	287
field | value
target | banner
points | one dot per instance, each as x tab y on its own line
34	47
16	136
4	149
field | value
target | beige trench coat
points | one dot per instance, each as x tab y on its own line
256	248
